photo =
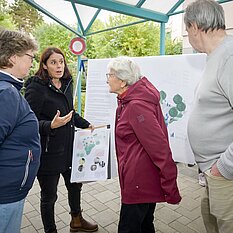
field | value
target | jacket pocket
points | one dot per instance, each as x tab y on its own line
54	145
26	171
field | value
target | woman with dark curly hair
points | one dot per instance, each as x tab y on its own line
49	94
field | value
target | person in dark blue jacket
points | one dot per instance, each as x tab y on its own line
19	131
50	96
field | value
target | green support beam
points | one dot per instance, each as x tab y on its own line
78	18
79	89
223	1
38	7
126	9
140	3
172	10
113	28
92	21
170	13
176	13
162	38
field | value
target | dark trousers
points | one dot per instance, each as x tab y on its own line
48	185
137	218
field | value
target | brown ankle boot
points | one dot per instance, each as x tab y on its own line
78	223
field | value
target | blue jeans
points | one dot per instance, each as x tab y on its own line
11	217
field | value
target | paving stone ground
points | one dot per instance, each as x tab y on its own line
101	203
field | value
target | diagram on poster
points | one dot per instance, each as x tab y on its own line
173	111
90	155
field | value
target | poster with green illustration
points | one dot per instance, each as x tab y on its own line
173	111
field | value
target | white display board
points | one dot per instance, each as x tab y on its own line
175	76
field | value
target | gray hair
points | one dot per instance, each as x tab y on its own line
125	69
207	14
14	43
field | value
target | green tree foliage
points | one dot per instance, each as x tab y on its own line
172	46
25	17
3	5
136	40
5	18
54	35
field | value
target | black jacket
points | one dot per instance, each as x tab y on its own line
57	144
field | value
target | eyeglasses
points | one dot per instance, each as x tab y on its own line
31	56
108	75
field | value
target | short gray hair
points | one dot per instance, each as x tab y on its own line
207	14
14	43
125	69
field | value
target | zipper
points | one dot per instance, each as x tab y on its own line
67	86
26	168
47	143
64	92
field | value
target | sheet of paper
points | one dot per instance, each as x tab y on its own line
90	155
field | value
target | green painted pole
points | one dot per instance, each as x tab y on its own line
162	39
79	93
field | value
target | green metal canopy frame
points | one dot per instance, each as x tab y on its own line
118	6
121	7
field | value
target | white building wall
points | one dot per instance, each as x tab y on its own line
228	9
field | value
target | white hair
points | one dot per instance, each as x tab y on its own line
207	14
125	69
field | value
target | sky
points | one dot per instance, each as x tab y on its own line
64	11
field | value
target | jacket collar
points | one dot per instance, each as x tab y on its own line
17	83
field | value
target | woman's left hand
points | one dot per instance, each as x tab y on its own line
60	121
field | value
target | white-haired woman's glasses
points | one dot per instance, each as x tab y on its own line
109	75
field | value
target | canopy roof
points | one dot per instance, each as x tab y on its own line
85	12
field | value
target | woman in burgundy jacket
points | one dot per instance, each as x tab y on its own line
146	169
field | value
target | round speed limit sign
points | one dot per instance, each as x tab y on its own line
77	46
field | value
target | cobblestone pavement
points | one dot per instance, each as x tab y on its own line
101	203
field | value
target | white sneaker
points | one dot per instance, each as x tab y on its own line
201	179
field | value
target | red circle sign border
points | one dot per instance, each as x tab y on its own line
82	41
